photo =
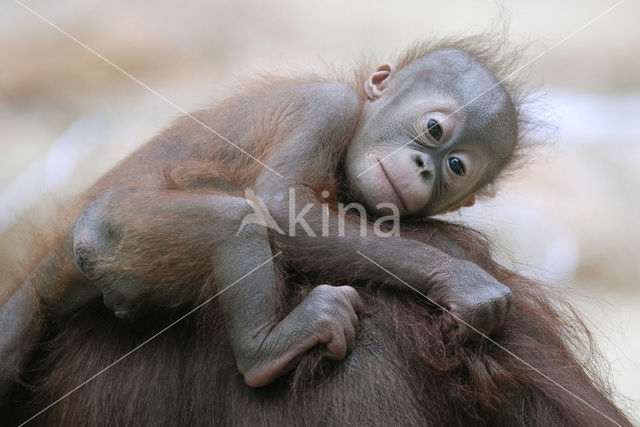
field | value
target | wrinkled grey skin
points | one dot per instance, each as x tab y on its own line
202	227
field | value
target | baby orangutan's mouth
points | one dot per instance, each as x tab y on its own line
393	186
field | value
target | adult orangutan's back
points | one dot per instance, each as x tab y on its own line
402	370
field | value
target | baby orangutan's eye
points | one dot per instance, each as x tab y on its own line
434	129
456	166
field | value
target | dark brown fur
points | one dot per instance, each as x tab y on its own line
403	371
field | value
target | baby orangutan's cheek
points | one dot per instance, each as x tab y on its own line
383	186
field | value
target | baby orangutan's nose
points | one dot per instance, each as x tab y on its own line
424	164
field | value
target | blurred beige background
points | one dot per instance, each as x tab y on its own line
570	217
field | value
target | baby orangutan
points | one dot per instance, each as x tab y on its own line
415	140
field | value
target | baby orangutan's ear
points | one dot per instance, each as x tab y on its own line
469	201
378	82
